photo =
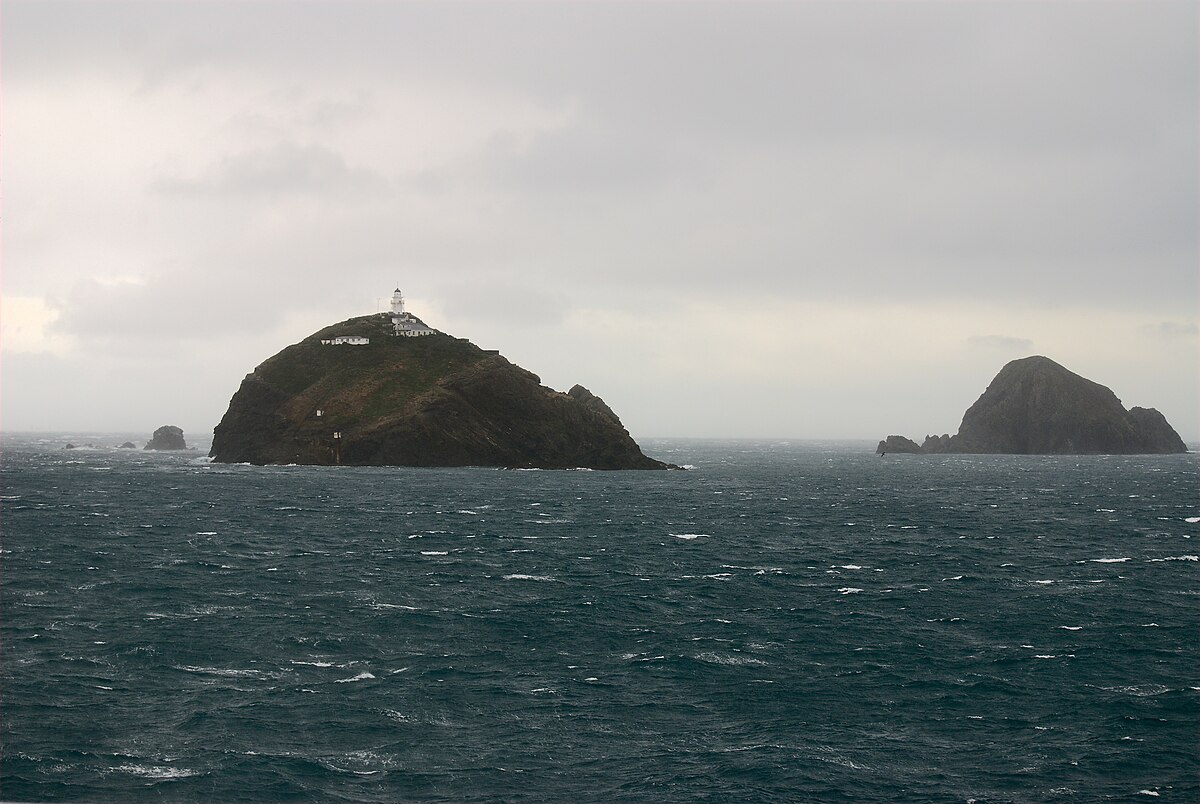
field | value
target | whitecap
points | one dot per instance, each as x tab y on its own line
1176	558
1139	690
433	552
1148	793
690	536
1071	627
1108	560
850	566
225	672
849	590
1192	519
363	676
953	578
725	659
156	771
518	576
313	664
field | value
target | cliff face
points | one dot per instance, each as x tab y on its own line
1034	406
428	401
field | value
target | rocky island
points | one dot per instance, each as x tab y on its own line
367	392
167	437
1034	406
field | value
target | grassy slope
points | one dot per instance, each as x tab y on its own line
354	384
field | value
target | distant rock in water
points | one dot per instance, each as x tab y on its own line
167	437
1034	406
384	400
897	443
128	445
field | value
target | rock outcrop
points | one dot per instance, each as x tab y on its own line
897	443
429	401
1034	406
167	437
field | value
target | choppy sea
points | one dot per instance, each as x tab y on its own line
785	621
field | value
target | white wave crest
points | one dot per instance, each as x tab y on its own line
725	659
156	771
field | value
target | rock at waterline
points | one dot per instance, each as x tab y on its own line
354	393
167	437
1034	406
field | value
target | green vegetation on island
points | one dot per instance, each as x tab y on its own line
433	400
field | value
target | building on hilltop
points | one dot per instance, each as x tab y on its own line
350	340
404	324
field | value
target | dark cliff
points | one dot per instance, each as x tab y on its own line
427	401
1034	406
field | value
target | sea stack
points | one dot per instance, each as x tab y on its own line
167	437
1034	406
387	390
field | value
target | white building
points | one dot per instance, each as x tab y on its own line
349	340
406	325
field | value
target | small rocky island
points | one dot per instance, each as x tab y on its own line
167	437
386	390
1034	406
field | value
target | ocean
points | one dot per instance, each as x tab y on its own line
785	621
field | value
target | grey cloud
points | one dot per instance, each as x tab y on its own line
1002	343
1172	330
929	155
165	309
286	168
516	305
587	157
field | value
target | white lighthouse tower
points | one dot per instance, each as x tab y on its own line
405	324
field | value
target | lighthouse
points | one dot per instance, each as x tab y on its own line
405	324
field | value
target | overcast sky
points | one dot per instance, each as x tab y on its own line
775	219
